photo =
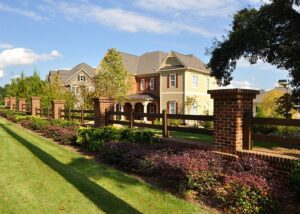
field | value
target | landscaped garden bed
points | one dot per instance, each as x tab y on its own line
243	185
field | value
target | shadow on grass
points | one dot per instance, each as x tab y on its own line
102	198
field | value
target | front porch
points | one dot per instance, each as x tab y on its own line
141	103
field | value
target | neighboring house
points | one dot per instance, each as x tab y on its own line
282	87
81	75
163	81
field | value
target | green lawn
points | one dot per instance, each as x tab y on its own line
39	176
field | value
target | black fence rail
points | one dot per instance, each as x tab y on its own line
136	119
81	115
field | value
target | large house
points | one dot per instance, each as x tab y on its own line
162	81
81	75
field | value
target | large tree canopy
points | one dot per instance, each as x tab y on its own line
270	33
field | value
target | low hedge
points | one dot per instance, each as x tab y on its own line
234	186
93	139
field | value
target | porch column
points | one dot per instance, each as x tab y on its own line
115	110
145	110
122	110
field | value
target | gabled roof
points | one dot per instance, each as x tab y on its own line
65	75
147	63
150	63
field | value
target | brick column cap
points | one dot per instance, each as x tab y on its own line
58	102
35	98
13	98
22	99
234	93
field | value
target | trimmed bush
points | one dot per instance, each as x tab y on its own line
242	189
295	178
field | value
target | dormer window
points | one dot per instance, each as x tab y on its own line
81	78
142	85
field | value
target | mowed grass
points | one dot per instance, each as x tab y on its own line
39	176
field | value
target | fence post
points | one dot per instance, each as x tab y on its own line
131	119
35	103
82	120
165	124
230	106
57	106
106	118
247	131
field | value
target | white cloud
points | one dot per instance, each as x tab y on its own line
120	19
22	12
200	7
241	84
6	46
1	73
22	56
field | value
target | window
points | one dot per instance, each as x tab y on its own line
151	83
151	108
172	80
142	85
172	107
74	89
195	81
207	83
194	109
91	89
81	78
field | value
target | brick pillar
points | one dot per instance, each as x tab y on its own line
57	105
22	102
230	105
12	103
35	104
100	105
6	102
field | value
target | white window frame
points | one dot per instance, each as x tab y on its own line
172	80
74	89
195	109
152	83
142	84
195	81
207	83
91	89
172	107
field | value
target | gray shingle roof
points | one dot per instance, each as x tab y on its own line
150	62
66	74
143	96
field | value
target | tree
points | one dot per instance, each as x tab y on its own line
285	105
56	91
268	106
113	80
270	33
190	102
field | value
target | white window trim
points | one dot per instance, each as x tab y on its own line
142	84
171	109
195	84
152	83
174	81
195	109
207	84
81	78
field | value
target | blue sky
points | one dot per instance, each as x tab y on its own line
49	34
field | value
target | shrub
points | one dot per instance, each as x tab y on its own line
245	193
61	134
39	124
62	123
295	178
90	138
